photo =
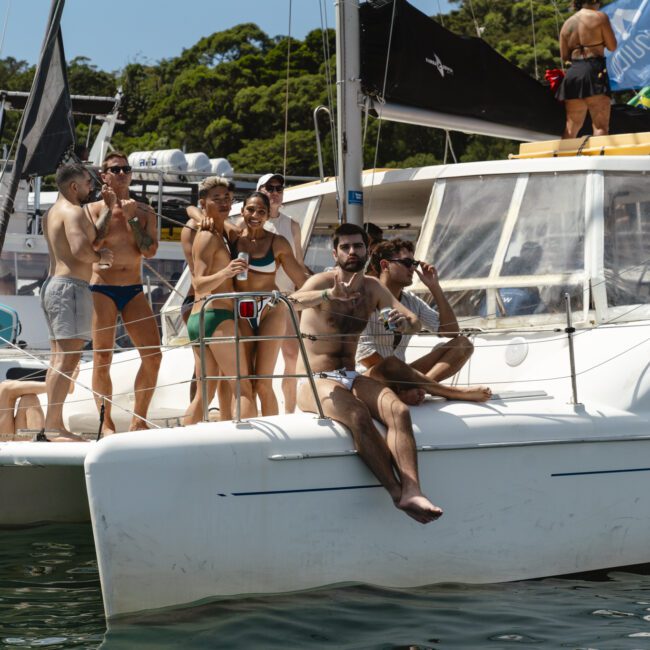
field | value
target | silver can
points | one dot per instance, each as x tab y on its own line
244	274
383	316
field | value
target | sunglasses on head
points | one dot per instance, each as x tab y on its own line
274	188
407	262
116	169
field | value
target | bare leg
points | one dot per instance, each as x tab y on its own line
225	397
10	392
398	375
600	108
385	406
225	357
445	360
104	320
576	111
266	355
290	350
341	405
141	327
194	413
68	354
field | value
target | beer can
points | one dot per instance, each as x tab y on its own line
383	315
244	274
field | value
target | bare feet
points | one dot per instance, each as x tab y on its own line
412	396
62	435
476	393
138	425
420	508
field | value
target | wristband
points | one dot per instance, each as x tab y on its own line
324	295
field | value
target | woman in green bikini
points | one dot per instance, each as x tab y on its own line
267	252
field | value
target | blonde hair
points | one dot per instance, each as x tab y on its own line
212	181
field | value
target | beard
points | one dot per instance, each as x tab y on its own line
353	266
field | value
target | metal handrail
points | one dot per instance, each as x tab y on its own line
238	297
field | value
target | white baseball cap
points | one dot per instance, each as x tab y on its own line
267	177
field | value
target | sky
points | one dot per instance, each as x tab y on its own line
113	33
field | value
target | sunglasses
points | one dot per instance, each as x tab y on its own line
274	188
116	169
407	262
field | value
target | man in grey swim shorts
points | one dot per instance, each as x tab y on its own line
67	302
336	306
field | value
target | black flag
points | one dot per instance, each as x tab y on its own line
47	126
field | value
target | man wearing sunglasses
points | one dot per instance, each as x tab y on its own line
273	186
131	235
379	348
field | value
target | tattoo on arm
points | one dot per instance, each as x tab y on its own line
142	238
103	222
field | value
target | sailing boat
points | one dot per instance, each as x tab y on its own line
546	479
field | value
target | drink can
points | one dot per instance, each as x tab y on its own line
383	315
244	274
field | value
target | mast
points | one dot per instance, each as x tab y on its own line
348	94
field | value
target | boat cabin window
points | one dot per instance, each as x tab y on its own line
516	252
22	274
627	239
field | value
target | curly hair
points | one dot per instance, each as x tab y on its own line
578	4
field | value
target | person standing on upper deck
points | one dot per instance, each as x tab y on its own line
583	39
281	224
132	235
73	242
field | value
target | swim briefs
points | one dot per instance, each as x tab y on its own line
342	376
121	295
213	318
68	307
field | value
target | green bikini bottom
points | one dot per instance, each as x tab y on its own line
213	318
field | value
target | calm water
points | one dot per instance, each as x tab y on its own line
50	598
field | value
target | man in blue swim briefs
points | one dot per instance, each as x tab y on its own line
213	272
336	306
131	235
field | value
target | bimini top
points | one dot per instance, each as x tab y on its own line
628	144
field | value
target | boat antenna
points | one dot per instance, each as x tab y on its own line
286	95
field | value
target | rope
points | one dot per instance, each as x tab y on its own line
476	25
286	96
330	93
532	19
4	28
557	15
381	106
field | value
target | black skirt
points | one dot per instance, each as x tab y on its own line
585	78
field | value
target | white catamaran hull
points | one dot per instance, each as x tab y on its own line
530	487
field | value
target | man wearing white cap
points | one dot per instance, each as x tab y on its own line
273	186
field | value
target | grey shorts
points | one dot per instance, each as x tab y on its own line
68	307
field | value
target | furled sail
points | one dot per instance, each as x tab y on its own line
47	127
437	78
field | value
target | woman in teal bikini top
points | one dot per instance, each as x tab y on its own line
267	252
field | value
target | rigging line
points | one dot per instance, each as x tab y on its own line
78	383
22	117
164	280
330	91
442	22
476	25
286	96
4	28
381	107
532	20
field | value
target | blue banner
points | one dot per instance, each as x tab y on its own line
629	65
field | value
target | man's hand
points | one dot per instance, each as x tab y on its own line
105	258
345	291
397	321
128	206
108	196
428	275
206	223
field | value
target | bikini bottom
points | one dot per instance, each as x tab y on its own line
213	318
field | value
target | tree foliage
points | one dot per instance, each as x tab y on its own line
227	94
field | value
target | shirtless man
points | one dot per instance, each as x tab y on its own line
214	271
381	353
132	235
583	39
336	306
73	240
